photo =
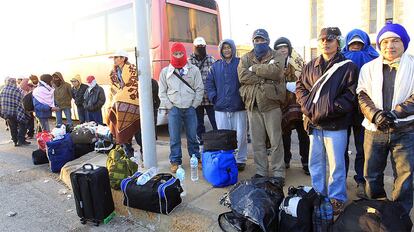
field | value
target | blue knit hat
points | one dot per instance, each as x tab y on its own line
393	30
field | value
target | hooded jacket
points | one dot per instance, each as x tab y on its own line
223	84
78	93
63	93
367	52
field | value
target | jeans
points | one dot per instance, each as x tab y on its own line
377	146
200	119
327	149
303	144
176	118
68	115
44	124
262	124
94	116
235	121
81	114
17	129
359	156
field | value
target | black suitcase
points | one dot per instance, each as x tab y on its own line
217	140
161	194
39	157
92	194
83	149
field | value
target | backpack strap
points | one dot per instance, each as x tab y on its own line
184	81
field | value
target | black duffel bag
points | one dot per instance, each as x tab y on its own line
217	140
161	194
83	149
39	157
373	215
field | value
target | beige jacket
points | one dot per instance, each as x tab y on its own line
173	92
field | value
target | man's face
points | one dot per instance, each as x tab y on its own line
355	46
283	50
259	40
328	46
178	54
19	80
226	51
391	48
119	60
75	83
57	81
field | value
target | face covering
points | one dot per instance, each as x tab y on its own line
260	50
200	53
178	62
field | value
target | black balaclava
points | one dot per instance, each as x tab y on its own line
200	52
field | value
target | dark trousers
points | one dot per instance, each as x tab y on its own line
359	156
303	144
94	116
17	129
30	126
138	136
81	114
200	119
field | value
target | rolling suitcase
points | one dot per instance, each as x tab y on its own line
92	194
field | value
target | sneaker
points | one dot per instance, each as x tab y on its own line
241	166
337	206
306	170
17	144
287	165
360	192
174	167
257	176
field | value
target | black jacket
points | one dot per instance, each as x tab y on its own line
336	104
77	94
95	99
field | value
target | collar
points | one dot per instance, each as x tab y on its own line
171	69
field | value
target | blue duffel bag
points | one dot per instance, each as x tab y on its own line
220	168
60	152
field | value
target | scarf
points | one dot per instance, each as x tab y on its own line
44	94
365	55
371	80
91	85
260	50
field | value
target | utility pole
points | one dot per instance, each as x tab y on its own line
142	11
231	36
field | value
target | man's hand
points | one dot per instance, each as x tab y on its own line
384	120
251	68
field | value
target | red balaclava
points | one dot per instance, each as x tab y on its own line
178	62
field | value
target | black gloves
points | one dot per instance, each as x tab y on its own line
384	120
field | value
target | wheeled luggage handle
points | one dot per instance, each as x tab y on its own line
84	166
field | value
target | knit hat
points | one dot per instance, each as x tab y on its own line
393	30
89	79
283	41
262	33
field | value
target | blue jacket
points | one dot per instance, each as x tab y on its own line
223	84
41	110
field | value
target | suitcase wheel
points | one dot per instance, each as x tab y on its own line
83	220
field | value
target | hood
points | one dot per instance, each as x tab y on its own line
232	45
59	75
283	40
361	34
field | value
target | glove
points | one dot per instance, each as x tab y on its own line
383	121
251	68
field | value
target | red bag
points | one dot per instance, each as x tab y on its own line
42	138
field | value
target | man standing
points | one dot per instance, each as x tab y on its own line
223	91
63	98
385	94
292	116
181	91
263	90
94	100
123	118
78	90
11	109
326	93
203	61
358	49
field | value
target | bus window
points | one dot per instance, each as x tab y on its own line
179	24
206	27
120	29
88	36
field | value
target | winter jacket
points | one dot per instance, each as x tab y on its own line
94	99
173	92
78	94
42	110
63	94
264	86
334	109
223	84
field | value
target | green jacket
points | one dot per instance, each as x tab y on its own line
265	84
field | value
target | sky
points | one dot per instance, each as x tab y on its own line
34	33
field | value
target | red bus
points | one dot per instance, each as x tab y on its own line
97	35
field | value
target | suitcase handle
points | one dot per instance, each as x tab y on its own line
90	165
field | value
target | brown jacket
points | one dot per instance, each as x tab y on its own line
264	86
63	93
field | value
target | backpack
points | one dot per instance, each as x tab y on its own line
373	215
296	209
28	102
119	166
322	217
220	168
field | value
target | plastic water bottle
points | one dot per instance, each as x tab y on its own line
194	168
181	176
146	176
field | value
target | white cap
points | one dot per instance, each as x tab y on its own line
199	41
356	39
119	53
